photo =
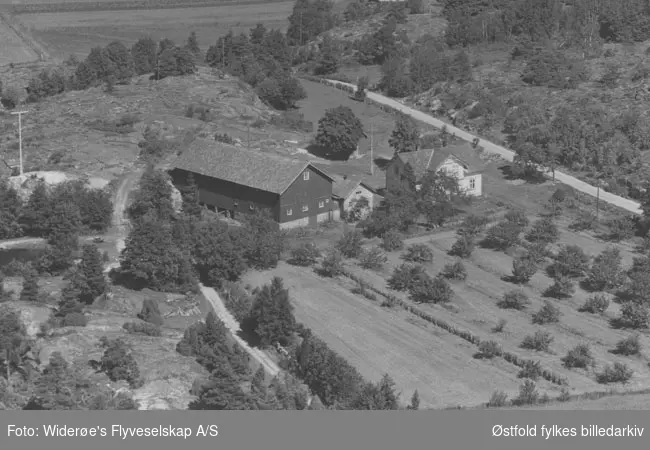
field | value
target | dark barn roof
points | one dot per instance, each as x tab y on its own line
255	169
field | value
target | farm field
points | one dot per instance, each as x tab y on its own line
13	49
77	32
377	341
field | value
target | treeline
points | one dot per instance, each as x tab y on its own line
116	64
577	22
127	5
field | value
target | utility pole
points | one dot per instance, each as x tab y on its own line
20	137
249	134
300	27
372	161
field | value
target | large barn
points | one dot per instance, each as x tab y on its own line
238	181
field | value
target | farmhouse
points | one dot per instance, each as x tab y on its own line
351	192
459	161
237	181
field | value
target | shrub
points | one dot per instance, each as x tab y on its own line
531	370
571	261
528	394
621	228
543	230
455	271
418	253
150	312
237	300
596	304
472	226
463	247
564	396
523	269
605	272
578	357
118	362
392	240
540	341
404	276
634	315
585	221
517	217
332	264
350	244
304	255
514	299
373	259
628	346
616	373
425	289
489	349
498	328
142	328
498	400
502	235
562	288
548	313
553	69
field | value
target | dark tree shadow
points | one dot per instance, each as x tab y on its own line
382	163
509	173
120	278
322	152
617	323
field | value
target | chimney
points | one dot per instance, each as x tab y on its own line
345	177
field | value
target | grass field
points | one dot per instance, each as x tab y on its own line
77	32
13	49
377	341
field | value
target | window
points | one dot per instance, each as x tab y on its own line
321	204
472	183
359	192
305	175
289	211
305	208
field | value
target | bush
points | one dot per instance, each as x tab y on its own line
548	313
571	261
498	400
616	373
528	394
373	259
634	315
540	341
502	236
628	346
350	244
514	299
621	228
605	272
584	222
489	349
237	300
142	328
498	328
463	247
517	217
455	271
523	269
562	288
552	69
531	370
150	312
305	255
578	357
404	275
392	240
543	230
596	304
472	226
332	264
420	253
425	289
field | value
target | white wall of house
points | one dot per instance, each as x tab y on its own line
472	184
356	194
452	168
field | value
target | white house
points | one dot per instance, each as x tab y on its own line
460	161
349	191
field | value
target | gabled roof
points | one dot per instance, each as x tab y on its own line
343	187
255	169
428	159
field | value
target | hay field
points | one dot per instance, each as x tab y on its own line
377	340
13	48
77	32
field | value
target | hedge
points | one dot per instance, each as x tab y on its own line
463	334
